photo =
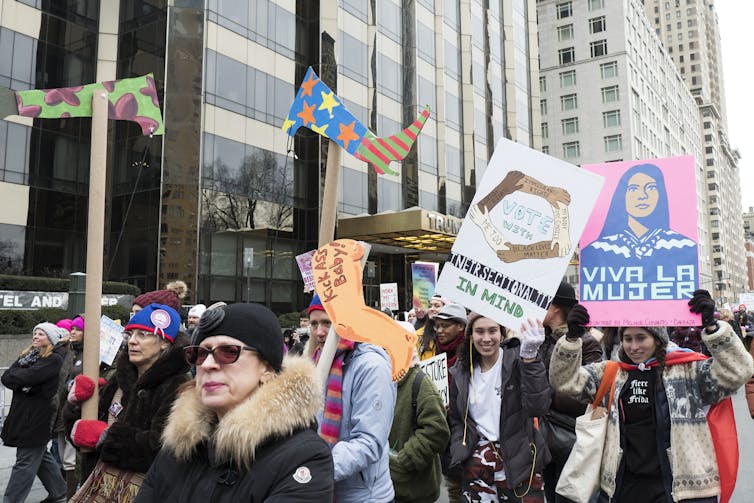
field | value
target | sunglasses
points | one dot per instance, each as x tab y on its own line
223	354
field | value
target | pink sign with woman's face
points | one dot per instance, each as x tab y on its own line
639	262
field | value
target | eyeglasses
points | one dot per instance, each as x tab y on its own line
223	354
140	335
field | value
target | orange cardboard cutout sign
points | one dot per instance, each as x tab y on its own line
337	279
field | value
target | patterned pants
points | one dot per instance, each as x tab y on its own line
484	479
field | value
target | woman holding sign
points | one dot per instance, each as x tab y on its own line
661	444
133	405
496	392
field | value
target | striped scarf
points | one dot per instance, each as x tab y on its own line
329	430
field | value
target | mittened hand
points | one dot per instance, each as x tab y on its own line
87	432
532	336
82	388
701	302
577	319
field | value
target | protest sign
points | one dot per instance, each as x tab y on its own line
110	340
519	234
304	262
436	369
389	296
639	262
423	279
747	299
337	278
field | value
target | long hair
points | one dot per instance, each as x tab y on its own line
467	353
660	349
429	335
43	353
617	215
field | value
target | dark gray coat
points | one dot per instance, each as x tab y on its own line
526	395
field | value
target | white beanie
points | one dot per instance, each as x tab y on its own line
53	332
197	310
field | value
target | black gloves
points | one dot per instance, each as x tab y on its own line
703	304
577	317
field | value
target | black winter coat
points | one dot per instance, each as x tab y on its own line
32	409
265	449
526	394
133	441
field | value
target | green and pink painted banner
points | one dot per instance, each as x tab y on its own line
132	99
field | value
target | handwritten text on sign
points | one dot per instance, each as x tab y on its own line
436	369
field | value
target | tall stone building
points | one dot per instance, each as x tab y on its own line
226	200
609	91
689	30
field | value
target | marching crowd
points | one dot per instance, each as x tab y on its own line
230	409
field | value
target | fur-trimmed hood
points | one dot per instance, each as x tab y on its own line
277	409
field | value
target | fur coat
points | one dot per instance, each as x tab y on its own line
265	449
133	441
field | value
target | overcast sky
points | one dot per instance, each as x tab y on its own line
737	46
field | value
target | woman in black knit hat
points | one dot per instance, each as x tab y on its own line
245	429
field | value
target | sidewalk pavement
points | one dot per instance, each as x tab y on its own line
743	493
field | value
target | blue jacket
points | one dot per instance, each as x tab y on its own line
362	472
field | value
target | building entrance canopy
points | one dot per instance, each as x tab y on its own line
414	228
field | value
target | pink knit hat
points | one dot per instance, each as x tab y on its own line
65	324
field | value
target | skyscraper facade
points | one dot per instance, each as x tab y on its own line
690	31
226	200
609	91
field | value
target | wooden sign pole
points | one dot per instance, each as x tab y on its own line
94	247
326	235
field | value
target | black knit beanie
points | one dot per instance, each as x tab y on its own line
252	324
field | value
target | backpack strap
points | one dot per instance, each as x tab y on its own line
415	395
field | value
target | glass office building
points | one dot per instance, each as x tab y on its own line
225	199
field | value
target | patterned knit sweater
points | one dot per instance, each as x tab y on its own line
689	387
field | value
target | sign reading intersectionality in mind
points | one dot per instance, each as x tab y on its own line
519	234
318	108
639	262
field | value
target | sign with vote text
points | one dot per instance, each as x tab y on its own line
519	234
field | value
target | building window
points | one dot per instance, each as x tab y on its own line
542	84
596	4
568	79
611	118
597	24
545	131
565	33
610	94
571	150
708	137
545	149
570	125
568	102
543	107
609	70
613	143
564	10
566	55
598	48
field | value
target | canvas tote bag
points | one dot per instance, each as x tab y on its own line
580	477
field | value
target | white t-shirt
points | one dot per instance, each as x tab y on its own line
485	398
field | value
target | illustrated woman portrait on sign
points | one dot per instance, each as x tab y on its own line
637	256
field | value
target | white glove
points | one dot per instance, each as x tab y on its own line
532	336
